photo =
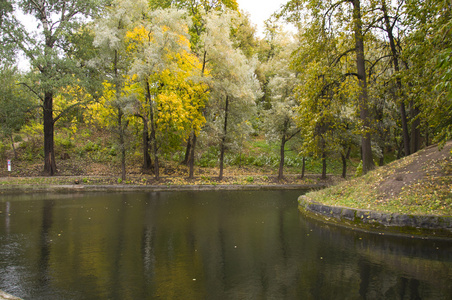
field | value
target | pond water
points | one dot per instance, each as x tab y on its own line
204	245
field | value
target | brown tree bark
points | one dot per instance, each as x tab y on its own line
395	59
49	151
323	165
281	157
303	168
122	145
415	141
191	161
223	139
363	104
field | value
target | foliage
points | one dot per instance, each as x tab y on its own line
429	50
14	103
177	70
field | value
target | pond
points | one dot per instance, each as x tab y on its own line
204	245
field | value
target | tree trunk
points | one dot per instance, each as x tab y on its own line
122	145
405	133
49	152
415	128
147	161
363	105
154	148
281	157
344	165
303	167
395	58
152	137
223	139
187	152
323	165
191	162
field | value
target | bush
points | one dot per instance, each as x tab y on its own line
65	143
209	158
2	151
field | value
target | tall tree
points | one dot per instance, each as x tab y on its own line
279	118
333	15
363	102
233	86
110	33
47	49
162	59
428	51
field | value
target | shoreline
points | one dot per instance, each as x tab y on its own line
406	225
68	188
414	226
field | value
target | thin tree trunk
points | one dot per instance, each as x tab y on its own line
120	115
344	165
303	167
147	161
152	136
324	165
122	145
49	151
187	151
281	157
395	57
191	162
363	106
154	148
415	128
223	139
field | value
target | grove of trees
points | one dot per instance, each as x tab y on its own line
169	76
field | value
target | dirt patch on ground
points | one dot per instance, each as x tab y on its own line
416	168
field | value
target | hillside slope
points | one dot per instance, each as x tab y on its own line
418	184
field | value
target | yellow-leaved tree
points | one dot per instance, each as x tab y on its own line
171	96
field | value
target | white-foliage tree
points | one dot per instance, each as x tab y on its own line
234	86
163	47
278	121
110	32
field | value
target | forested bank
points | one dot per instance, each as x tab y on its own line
157	84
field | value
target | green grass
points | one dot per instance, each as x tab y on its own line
430	196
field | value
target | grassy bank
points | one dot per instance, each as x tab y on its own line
420	184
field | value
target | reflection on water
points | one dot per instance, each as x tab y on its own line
204	245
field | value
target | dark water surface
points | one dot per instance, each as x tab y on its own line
204	245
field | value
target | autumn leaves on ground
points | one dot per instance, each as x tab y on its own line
94	160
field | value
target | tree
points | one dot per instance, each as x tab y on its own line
162	59
331	15
428	50
363	102
233	85
14	103
279	118
110	32
47	50
327	92
198	10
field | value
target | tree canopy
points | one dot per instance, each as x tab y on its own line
163	76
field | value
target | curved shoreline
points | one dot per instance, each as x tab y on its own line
414	226
421	226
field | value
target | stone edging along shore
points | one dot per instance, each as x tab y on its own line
372	221
31	188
